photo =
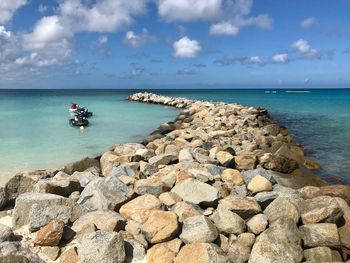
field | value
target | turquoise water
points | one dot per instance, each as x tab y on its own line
35	132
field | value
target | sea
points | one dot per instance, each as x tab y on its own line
35	131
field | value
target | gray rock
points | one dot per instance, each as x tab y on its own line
279	243
134	251
40	215
51	252
24	202
282	207
250	174
14	252
121	170
228	222
3	198
241	190
196	192
163	159
323	209
243	206
239	249
320	235
265	198
58	186
198	229
6	233
103	247
105	194
84	178
81	165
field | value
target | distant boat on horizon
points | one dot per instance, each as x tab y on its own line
298	91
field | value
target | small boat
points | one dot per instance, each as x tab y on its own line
79	121
84	112
73	108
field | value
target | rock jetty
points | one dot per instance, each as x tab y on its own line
221	183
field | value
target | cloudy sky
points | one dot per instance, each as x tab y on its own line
174	43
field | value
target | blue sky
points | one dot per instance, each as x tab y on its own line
174	44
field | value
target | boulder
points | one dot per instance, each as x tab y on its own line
186	155
150	185
196	192
257	224
41	214
134	251
279	243
164	252
58	186
81	165
246	162
344	228
243	206
228	222
160	226
239	248
198	229
3	198
6	233
250	174
320	254
278	163
70	255
201	253
322	209
24	202
112	221
139	208
259	184
121	170
265	198
170	198
320	235
282	207
102	246
342	191
185	210
163	159
105	194
225	159
51	252
232	177
14	252
84	178
50	235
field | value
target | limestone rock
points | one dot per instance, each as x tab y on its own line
80	166
242	206
164	252
103	247
150	185
259	184
198	229
134	251
225	159
170	198
186	155
232	177
228	222
139	208
279	243
319	254
257	224
185	210
201	253
282	207
163	159
51	252
246	162
70	255
250	174
319	235
160	226
239	249
196	192
50	235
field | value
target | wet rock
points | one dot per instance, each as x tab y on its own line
201	253
196	192
198	229
24	202
279	243
102	246
40	215
81	165
242	206
164	252
50	235
160	226
259	184
104	194
225	159
282	207
319	235
228	222
257	224
232	177
323	209
185	210
139	208
6	233
246	162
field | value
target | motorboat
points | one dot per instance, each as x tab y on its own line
79	121
84	112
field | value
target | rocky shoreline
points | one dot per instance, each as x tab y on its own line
220	183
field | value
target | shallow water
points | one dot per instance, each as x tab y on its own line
34	131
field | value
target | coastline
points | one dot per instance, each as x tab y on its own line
212	155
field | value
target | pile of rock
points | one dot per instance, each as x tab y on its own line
215	185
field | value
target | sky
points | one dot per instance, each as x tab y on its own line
174	44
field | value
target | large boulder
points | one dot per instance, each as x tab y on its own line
243	206
24	202
259	184
81	165
279	243
201	253
239	248
257	224
164	252
246	162
50	235
105	194
228	222
232	177
321	254
185	210
320	235
160	226
198	229
139	208
150	185
196	192
282	207
344	229
63	186
102	246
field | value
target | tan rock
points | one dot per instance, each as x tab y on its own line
70	255
164	252
257	224
139	208
225	159
201	253
184	210
150	185
319	235
319	254
282	207
232	177
246	162
259	184
170	198
160	226
50	235
243	206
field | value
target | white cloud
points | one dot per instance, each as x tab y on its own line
103	39
137	40
309	22
224	28
8	8
230	60
186	48
305	49
280	58
43	8
4	33
254	60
